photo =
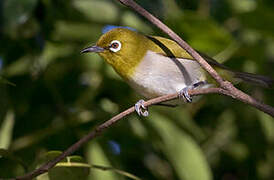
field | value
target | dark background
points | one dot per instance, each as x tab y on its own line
61	95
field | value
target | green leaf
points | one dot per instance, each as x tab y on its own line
5	81
96	156
98	10
71	168
74	31
182	151
268	126
243	5
74	167
6	130
19	67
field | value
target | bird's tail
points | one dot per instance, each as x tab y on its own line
235	76
260	80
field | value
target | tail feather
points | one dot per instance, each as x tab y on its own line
235	76
255	79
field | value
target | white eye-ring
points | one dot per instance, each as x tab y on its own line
115	46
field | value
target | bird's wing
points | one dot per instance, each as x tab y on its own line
170	48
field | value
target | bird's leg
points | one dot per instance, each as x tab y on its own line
140	108
183	94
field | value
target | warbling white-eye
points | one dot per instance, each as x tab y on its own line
156	66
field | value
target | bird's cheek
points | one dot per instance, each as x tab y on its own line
108	57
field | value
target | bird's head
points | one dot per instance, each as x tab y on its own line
122	48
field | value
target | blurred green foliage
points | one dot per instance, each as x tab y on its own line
61	95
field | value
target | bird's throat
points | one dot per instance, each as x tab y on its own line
125	66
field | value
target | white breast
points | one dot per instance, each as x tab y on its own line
159	75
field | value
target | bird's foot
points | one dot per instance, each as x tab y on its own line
183	94
140	108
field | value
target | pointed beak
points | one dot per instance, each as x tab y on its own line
95	49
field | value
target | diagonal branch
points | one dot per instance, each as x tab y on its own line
232	91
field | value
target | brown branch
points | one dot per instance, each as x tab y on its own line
97	131
226	88
231	90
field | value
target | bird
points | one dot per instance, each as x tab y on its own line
154	66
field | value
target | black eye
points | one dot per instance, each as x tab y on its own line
114	45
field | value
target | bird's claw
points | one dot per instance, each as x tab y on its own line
183	94
140	108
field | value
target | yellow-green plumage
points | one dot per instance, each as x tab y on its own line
135	46
125	60
155	65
